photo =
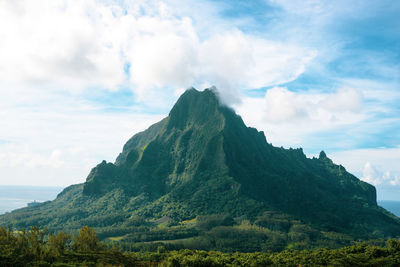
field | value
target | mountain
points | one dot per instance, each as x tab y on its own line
201	173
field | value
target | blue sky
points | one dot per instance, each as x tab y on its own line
79	78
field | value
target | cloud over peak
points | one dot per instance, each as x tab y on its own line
294	69
76	45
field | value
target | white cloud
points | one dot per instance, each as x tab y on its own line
372	175
377	166
21	159
377	155
234	60
59	138
74	45
355	160
53	52
298	114
282	106
65	43
385	92
345	99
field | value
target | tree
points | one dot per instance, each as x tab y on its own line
58	243
393	245
87	240
36	241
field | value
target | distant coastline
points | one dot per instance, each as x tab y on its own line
15	197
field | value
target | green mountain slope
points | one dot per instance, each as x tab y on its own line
203	162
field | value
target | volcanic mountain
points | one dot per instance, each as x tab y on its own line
202	160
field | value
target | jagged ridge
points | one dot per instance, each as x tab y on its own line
202	159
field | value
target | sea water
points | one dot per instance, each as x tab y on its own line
390	205
15	197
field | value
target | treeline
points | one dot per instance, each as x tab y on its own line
269	232
356	255
37	248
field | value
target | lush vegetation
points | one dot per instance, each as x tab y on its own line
269	232
202	179
37	248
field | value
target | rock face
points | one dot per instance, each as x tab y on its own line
202	159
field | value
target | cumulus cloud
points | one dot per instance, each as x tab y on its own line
65	43
53	54
345	99
282	105
292	119
377	166
318	109
374	176
234	60
75	45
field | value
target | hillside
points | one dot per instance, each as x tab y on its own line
203	179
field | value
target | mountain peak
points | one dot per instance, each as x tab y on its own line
322	155
192	95
194	106
203	160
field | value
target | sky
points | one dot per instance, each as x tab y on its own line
79	78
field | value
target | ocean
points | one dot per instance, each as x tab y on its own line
15	197
391	205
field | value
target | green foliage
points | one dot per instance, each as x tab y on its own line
203	162
36	248
86	240
35	238
206	222
158	234
58	244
